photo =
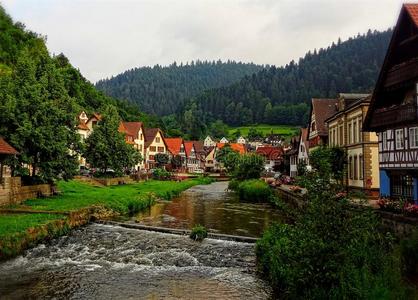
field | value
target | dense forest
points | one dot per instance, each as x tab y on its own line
40	98
281	95
162	90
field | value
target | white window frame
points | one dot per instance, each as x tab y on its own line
413	137
399	139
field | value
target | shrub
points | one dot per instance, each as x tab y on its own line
409	254
199	233
161	174
255	190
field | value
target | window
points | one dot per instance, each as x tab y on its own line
140	147
157	139
350	167
402	186
360	129
355	168
360	167
413	137
313	126
350	134
399	138
355	131
152	148
385	140
141	137
341	135
160	149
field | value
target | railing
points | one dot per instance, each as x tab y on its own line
402	73
396	115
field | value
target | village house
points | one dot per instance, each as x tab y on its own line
345	131
273	157
193	162
5	151
209	142
393	112
154	144
273	140
224	140
210	163
134	135
200	153
321	109
292	154
303	148
177	153
93	120
241	140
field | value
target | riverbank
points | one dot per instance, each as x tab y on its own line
75	206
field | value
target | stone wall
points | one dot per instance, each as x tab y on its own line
114	181
12	191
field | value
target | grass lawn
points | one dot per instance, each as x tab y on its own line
284	130
121	198
19	223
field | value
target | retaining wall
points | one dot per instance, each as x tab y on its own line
12	191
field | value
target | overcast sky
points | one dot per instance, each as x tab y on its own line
105	37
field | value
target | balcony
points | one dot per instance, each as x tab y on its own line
402	114
402	73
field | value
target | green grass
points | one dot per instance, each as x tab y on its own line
18	223
284	130
122	198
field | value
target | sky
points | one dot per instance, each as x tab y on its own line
106	37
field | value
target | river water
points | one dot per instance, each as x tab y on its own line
111	262
215	208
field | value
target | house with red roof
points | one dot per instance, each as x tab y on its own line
393	110
240	148
177	153
273	157
321	109
134	135
5	151
154	144
193	161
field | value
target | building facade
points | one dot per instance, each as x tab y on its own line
345	131
393	113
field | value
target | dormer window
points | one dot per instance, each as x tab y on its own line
157	139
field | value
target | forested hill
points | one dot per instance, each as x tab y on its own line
162	90
281	95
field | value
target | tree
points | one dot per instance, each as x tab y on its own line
106	147
227	157
161	159
218	129
248	166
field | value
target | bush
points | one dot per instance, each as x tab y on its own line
199	233
161	174
409	254
254	190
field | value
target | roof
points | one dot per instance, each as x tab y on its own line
188	146
352	96
270	152
132	127
323	109
174	145
198	146
150	134
410	9
240	148
82	126
5	148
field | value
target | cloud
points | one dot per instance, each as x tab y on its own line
106	37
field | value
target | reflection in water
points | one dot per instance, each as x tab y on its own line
107	262
213	207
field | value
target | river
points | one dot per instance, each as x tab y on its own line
111	262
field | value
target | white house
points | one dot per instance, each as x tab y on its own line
193	162
224	140
209	142
241	140
303	149
154	143
134	135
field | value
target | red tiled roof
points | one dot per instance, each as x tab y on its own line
174	145
188	146
132	128
323	109
5	148
270	152
412	9
240	148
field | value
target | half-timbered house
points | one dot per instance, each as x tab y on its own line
393	113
